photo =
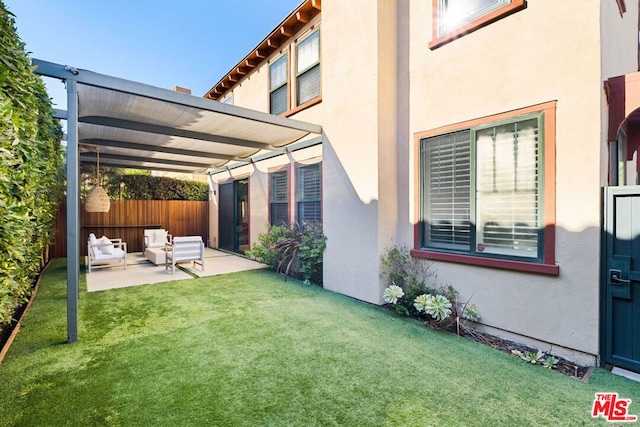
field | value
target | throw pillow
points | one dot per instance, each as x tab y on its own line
106	247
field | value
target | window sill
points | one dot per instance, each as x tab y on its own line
506	264
301	107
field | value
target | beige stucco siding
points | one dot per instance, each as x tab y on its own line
546	52
359	75
382	85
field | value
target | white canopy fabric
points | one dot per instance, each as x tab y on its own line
141	126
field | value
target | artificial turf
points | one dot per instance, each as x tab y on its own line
251	349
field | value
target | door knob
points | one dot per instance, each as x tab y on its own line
615	277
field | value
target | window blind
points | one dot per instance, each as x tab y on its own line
309	194
507	183
278	73
308	52
308	69
308	84
279	195
446	184
278	100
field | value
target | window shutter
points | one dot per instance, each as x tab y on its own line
446	183
507	186
309	194
278	100
279	187
279	198
308	85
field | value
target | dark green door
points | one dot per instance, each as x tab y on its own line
233	218
621	277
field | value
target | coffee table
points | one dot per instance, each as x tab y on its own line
156	255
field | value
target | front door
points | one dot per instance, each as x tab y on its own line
233	218
621	277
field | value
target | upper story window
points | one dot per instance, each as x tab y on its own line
455	18
278	87
227	99
308	68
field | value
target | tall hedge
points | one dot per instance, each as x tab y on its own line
31	170
144	187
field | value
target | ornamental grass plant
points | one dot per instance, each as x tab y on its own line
249	349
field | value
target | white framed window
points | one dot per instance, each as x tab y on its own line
308	68
278	86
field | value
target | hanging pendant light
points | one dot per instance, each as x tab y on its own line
98	199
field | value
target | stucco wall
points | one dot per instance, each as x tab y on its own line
359	78
546	52
381	84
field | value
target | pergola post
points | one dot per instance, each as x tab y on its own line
73	212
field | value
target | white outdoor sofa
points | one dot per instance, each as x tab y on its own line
183	249
105	252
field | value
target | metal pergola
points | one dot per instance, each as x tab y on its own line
139	126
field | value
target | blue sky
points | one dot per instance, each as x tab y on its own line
190	43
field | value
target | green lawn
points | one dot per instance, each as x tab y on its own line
251	349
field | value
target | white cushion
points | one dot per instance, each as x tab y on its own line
106	247
160	236
117	254
156	238
94	249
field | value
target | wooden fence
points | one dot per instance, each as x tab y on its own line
128	218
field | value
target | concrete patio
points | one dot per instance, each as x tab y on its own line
141	271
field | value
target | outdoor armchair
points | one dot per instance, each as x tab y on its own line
155	238
105	252
184	248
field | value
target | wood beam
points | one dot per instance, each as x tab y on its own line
303	17
250	63
286	31
316	4
241	71
261	54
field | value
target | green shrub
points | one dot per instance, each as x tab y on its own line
412	291
146	187
31	170
413	275
265	250
295	251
